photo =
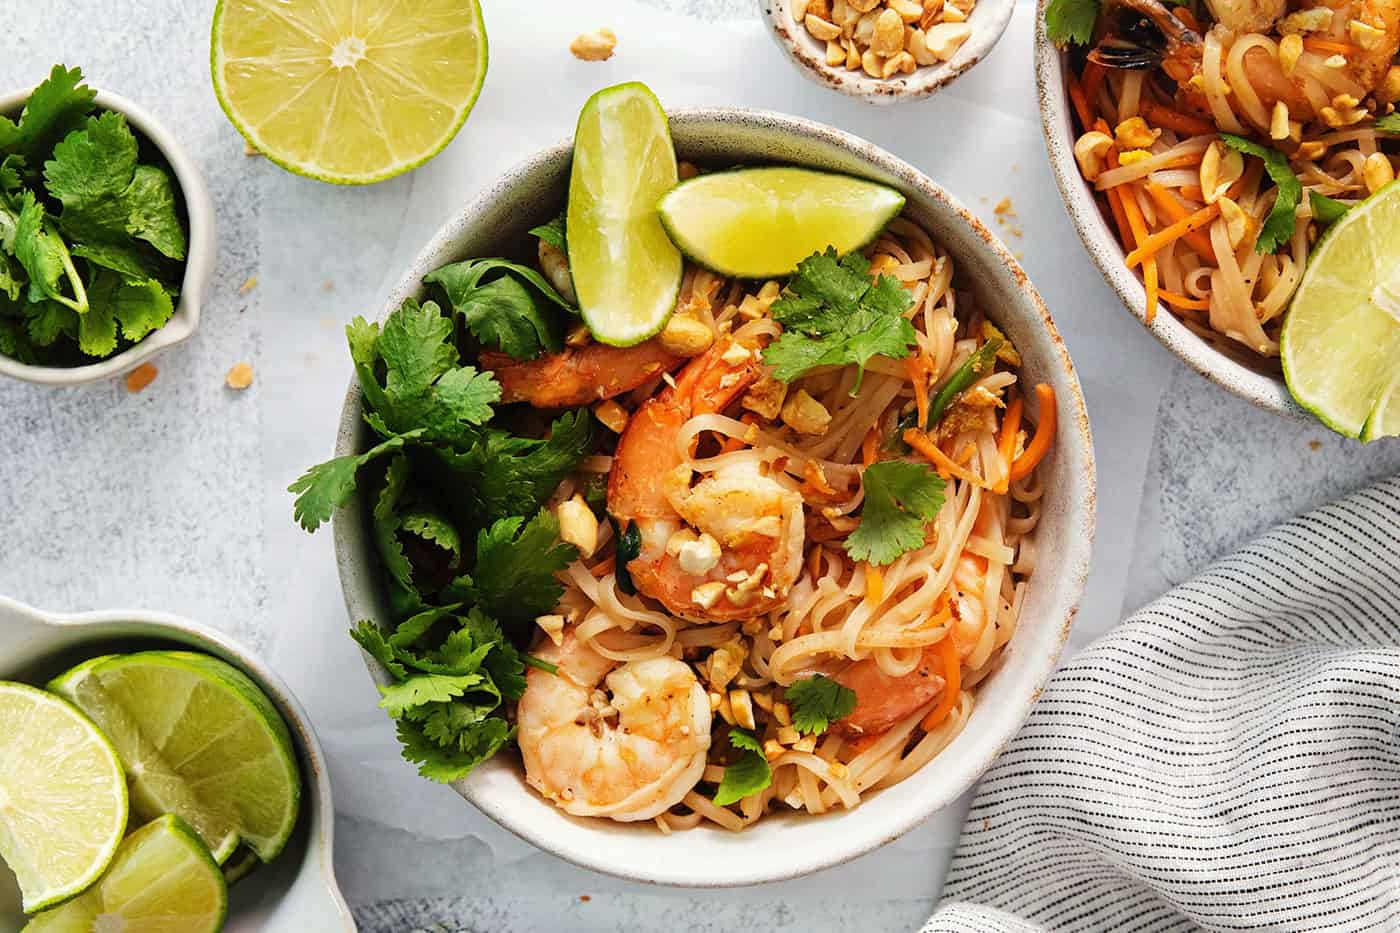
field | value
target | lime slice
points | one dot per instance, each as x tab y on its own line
241	864
1385	417
348	91
161	881
62	796
759	223
199	740
1341	338
627	273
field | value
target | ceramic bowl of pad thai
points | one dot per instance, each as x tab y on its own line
748	704
1168	129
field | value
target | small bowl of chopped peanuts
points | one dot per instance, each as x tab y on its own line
886	51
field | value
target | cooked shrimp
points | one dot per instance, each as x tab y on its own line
882	700
555	265
625	742
756	521
579	375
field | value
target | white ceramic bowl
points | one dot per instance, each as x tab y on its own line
988	21
783	846
1264	389
199	258
296	892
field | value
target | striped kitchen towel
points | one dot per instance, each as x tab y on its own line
1227	759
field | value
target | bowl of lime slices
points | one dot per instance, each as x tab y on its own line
156	777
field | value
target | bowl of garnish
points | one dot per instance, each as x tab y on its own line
885	51
107	237
749	504
1230	170
156	776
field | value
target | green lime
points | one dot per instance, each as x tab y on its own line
241	864
62	796
1341	338
161	881
759	223
199	740
348	91
626	271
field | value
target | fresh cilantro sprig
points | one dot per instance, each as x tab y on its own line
1278	227
1325	210
900	497
1390	123
817	702
504	305
834	314
1071	22
554	232
747	774
91	239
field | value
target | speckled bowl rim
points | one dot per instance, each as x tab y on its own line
199	257
988	20
1107	253
497	787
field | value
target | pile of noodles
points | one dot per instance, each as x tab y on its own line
1232	296
969	578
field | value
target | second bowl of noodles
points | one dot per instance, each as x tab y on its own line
946	645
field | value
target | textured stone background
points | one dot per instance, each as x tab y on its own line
173	499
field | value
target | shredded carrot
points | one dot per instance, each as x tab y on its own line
1329	46
1139	226
604	567
1192	192
965	453
814	562
918	376
1039	445
1150	245
1149	283
1080	102
952	684
1181	301
1175	210
1093	76
1158	115
1115	198
1006	443
874	585
942	462
869	447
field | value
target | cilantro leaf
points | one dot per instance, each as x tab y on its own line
504	305
746	775
900	497
371	638
44	257
56	108
89	174
97	331
419	689
49	320
1327	211
140	307
151	216
1390	123
833	315
817	702
513	579
446	764
1278	226
434	529
554	232
1071	22
327	486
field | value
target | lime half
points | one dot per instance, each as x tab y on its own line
1341	338
161	881
199	740
761	222
348	91
627	272
62	796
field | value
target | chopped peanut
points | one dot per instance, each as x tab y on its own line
1130	156
613	415
578	525
707	594
1090	151
765	397
1237	222
1312	150
140	377
1365	35
698	557
553	626
1278	125
804	414
683	335
239	377
1389	91
1290	48
1134	133
944	39
885	37
1377	172
596	46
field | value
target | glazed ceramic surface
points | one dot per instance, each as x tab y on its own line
988	21
199	264
788	845
1262	388
296	892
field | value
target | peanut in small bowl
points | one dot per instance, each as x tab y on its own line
886	51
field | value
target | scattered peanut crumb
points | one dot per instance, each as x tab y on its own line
327	286
249	150
248	286
1314	445
1003	207
1015	231
596	46
585	898
140	377
239	377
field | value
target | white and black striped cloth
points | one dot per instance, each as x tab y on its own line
1227	759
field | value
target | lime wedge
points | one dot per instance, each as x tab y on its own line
759	223
62	796
348	91
199	740
240	865
627	273
1341	338
161	881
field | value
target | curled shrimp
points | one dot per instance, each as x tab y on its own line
579	375
598	739
756	521
882	700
